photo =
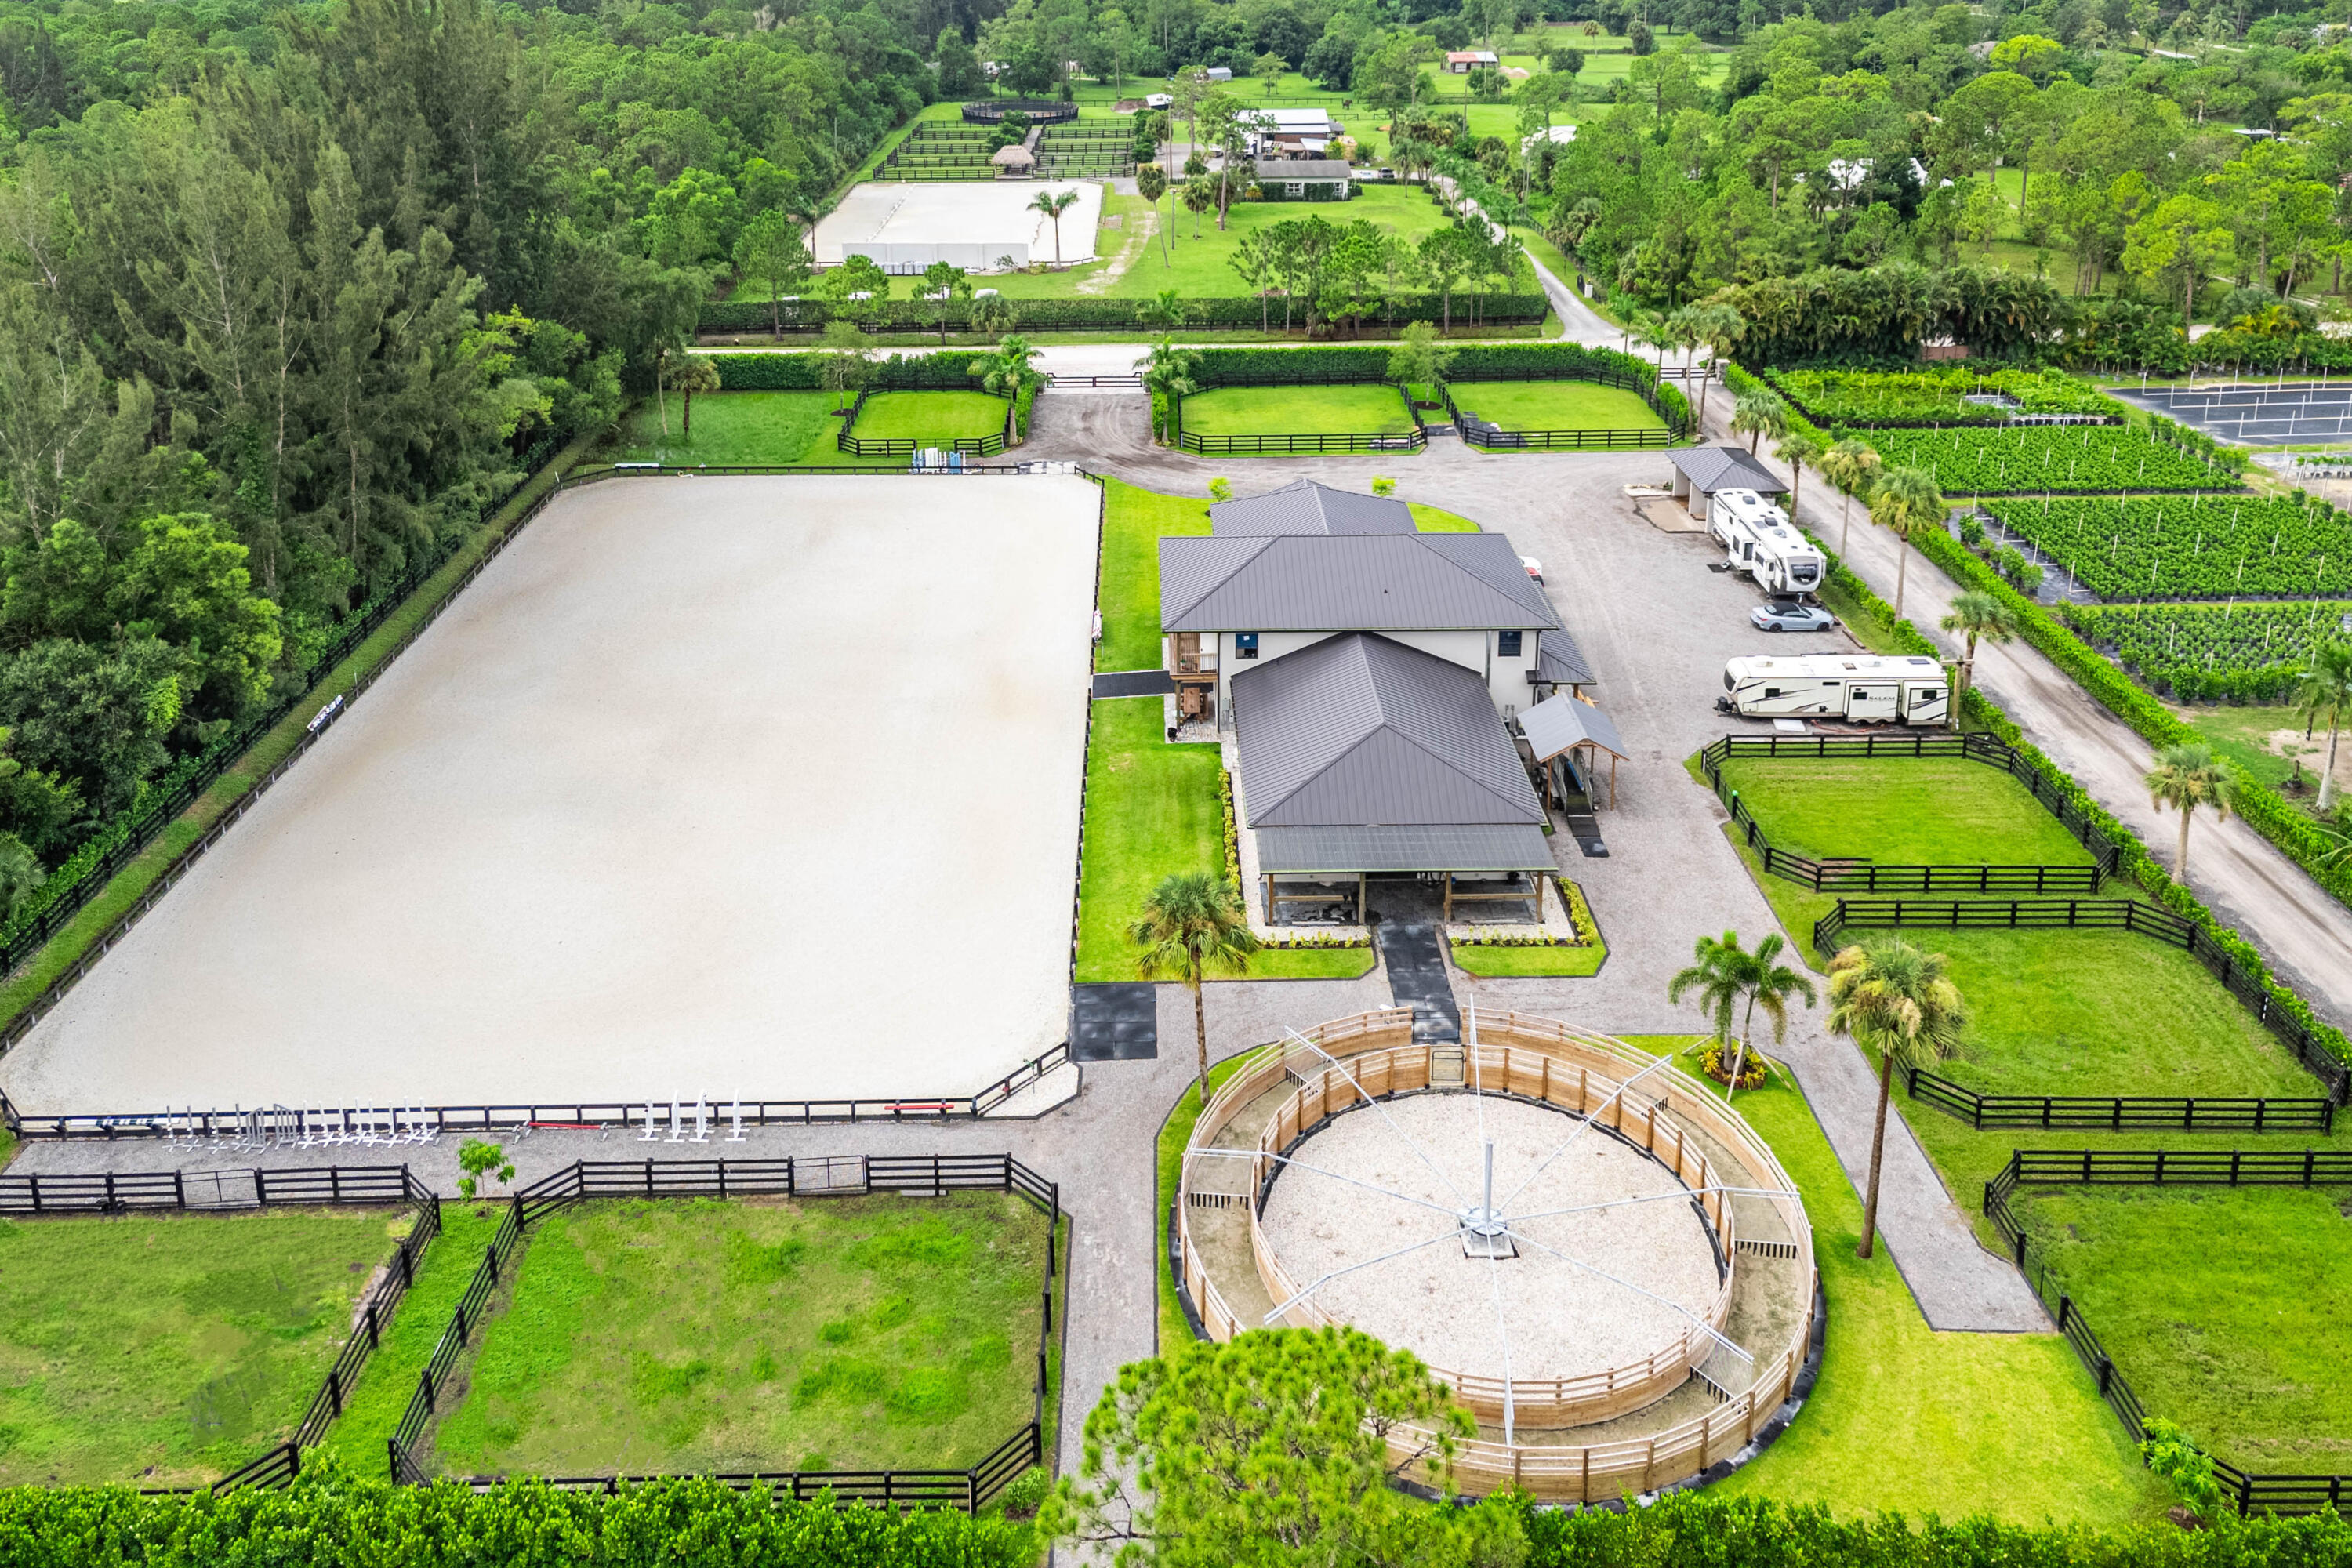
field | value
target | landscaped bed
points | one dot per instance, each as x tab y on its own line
1902	811
934	418
678	1335
1369	410
1554	405
2228	1311
167	1351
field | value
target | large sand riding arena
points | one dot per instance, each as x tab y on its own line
757	787
1385	1177
971	224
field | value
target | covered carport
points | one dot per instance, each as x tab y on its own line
1329	870
1569	731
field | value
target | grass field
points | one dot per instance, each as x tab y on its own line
2229	1312
1497	963
931	417
1134	521
1902	812
373	1406
733	428
168	1352
676	1335
1298	410
1555	406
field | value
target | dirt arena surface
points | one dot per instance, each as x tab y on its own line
764	787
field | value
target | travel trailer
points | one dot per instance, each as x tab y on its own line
1859	689
1756	538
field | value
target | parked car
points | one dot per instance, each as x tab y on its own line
1535	568
1789	616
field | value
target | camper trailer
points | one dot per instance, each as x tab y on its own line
1758	540
1858	688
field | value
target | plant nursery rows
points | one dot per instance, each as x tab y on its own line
2189	547
2241	652
2024	459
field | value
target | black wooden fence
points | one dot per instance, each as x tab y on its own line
2250	1492
2121	1113
1487	436
988	446
361	1186
1306	444
1860	874
855	1175
2092	914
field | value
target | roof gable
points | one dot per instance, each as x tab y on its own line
1324	583
1307	507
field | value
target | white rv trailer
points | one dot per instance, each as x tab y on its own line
1861	689
1758	540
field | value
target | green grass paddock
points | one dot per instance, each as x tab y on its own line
731	428
1134	521
699	1335
373	1405
2228	1311
1555	406
931	417
169	1351
1375	410
1901	811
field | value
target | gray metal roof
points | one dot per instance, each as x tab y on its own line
1713	469
1559	659
1347	583
1462	848
1301	169
1310	507
1359	731
1557	724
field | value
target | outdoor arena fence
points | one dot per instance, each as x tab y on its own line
51	908
2250	1492
1859	873
687	1121
2092	914
1039	111
216	1191
853	1176
988	446
2120	1113
1489	437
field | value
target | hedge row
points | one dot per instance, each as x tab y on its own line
1096	315
948	368
329	1520
1471	361
2259	805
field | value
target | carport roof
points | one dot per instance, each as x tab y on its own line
1557	724
1357	731
1713	469
1356	582
1310	507
1559	661
1461	847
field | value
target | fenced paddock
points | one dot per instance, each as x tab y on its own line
855	1360
1263	418
661	807
1531	411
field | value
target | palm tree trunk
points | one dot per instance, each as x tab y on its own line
2327	779
2180	872
1901	565
1200	1036
1878	1155
1845	522
1739	1061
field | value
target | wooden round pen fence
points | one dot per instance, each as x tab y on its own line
1586	1075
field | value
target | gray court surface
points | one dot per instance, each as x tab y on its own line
2257	414
764	787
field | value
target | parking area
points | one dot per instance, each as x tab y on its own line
756	787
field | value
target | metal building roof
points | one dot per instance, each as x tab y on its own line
1560	661
1557	724
1310	507
1357	731
1328	583
1513	847
1302	169
1713	469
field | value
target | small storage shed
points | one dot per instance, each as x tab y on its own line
1303	179
1701	471
1015	162
1567	728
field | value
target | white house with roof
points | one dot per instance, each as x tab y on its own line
1462	62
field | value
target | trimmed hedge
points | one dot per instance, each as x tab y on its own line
1471	361
2258	803
949	369
1098	314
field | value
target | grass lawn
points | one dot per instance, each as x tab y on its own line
732	427
940	417
1298	410
2229	1312
1500	962
1429	519
2243	736
1902	812
374	1404
1555	406
1173	1328
678	1335
169	1351
1134	521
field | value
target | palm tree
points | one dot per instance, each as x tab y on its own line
2325	692
1759	414
1852	465
2184	778
1168	375
1977	615
1797	450
1890	998
1905	499
1726	976
695	373
1720	328
1648	329
1192	924
1008	372
1054	205
992	315
1152	183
